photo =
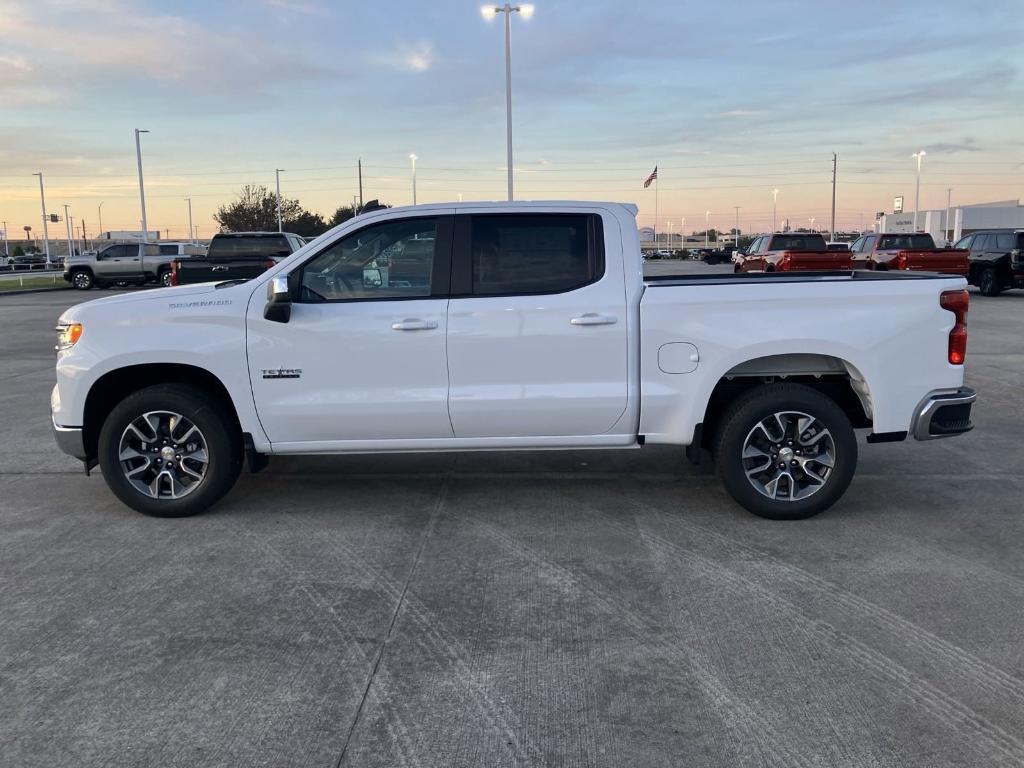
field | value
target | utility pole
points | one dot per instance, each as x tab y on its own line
360	183
85	244
7	251
67	224
775	209
919	156
736	239
142	187
277	180
46	231
190	236
832	235
99	213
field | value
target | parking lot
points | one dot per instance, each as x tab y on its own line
565	608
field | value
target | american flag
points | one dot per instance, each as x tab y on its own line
651	178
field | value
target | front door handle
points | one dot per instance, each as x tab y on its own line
592	318
414	324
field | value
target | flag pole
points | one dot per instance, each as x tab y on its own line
656	208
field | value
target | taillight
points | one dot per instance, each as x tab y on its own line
957	303
786	261
902	261
174	272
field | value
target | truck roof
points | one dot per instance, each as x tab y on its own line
255	234
505	204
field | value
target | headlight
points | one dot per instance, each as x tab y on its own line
68	335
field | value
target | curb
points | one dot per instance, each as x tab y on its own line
23	291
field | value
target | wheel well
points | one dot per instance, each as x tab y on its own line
80	268
829	375
113	387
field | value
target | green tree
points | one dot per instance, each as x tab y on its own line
306	224
256	210
343	214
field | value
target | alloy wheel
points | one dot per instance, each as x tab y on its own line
789	456
163	455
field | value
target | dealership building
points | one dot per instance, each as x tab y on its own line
962	220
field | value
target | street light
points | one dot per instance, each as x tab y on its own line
707	218
67	223
812	223
917	195
99	215
682	233
142	187
775	209
489	12
277	182
413	158
669	245
189	201
46	231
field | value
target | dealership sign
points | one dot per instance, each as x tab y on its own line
897	204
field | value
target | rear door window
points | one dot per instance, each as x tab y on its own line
512	254
168	250
981	243
1004	241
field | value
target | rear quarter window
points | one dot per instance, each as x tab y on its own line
798	243
266	247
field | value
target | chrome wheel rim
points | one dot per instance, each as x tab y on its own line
81	280
789	456
163	455
165	279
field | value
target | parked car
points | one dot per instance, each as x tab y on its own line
913	251
28	261
532	327
838	247
790	251
718	255
236	256
127	263
996	262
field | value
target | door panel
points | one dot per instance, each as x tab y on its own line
356	377
545	364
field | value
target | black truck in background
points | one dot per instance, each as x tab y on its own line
236	256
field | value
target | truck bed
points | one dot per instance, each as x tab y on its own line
860	275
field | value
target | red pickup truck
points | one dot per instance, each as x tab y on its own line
915	252
788	251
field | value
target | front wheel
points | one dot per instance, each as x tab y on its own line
785	451
988	283
82	280
169	451
165	278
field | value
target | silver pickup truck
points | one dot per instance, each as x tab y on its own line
134	263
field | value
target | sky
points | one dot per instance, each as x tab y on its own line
730	100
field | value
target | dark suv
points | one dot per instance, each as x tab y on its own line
996	259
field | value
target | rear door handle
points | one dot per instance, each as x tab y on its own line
414	324
592	318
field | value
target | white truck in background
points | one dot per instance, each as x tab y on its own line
495	326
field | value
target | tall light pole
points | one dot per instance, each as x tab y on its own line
489	12
189	201
707	219
142	187
812	224
669	223
413	159
945	223
7	250
67	223
99	215
46	231
917	195
682	233
775	209
736	241
277	182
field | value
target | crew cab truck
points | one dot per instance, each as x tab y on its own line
509	326
236	256
996	259
914	251
791	251
137	263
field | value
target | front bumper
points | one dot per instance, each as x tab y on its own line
70	440
944	414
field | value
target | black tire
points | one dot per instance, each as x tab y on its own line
988	282
742	418
220	432
82	279
164	278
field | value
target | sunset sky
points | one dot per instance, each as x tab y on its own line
729	99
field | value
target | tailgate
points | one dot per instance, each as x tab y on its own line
816	260
196	270
943	260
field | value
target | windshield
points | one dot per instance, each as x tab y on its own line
906	243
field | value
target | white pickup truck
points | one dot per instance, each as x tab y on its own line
498	326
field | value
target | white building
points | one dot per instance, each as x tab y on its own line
963	219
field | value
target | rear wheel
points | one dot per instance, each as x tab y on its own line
785	451
988	283
165	278
168	451
82	280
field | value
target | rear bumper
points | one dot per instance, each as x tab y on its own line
944	414
70	441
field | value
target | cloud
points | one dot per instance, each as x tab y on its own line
297	6
740	113
417	57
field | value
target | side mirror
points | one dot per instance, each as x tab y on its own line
279	301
